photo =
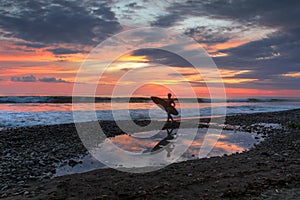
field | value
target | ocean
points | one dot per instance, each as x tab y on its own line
16	111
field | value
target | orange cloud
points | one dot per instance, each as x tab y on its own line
292	74
231	73
228	147
130	57
14	53
213	49
229	44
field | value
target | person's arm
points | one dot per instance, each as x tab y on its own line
172	102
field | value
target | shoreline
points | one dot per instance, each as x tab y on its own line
44	145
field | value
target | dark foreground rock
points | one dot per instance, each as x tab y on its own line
269	170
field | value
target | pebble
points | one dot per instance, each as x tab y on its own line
5	187
42	163
265	154
72	163
4	195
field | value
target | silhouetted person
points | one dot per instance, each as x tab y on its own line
171	103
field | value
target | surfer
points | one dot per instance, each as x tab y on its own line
171	104
167	105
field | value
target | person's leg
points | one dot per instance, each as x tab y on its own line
169	117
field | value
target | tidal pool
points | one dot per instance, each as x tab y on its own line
164	143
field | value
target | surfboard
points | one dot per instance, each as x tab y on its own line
163	104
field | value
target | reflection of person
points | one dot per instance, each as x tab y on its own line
170	147
166	143
171	103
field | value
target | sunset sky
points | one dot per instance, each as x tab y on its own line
255	44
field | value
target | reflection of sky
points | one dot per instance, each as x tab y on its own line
152	142
229	142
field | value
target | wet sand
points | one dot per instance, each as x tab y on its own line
270	170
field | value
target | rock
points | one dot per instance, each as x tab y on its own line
72	163
4	187
21	182
265	154
42	163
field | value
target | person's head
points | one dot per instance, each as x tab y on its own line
169	95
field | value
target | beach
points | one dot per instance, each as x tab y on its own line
270	170
149	100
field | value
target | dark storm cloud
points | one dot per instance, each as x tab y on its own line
31	45
105	13
267	58
271	13
13	48
274	14
134	5
268	12
59	51
278	51
274	55
58	22
29	78
32	78
183	74
52	80
162	57
206	35
166	20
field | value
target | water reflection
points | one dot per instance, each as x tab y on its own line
164	142
229	142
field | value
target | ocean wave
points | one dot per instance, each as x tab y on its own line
69	99
259	100
9	119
